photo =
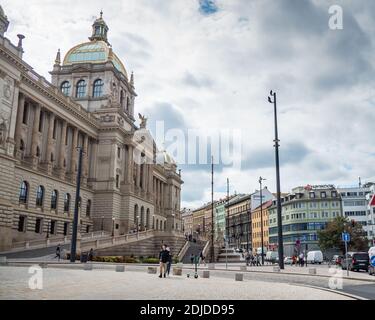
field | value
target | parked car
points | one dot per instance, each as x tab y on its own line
272	257
371	268
355	261
315	257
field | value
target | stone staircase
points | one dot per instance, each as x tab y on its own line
195	249
149	247
230	255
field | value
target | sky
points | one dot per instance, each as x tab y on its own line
210	65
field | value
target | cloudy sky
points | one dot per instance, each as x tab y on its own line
210	65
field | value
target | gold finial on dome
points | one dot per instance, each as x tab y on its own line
99	29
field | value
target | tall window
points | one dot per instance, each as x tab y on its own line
24	190
67	202
39	196
25	115
121	98
22	224
65	88
88	208
98	88
38	224
41	121
54	129
54	197
81	89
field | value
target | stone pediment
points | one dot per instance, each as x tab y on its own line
80	69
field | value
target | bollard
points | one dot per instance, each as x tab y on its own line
243	268
211	266
87	266
312	271
239	277
120	268
206	274
276	269
152	270
177	271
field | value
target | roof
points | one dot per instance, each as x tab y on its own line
96	51
265	205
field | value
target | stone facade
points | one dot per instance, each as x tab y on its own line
127	183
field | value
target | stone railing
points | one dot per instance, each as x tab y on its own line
183	250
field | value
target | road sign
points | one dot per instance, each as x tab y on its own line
372	261
345	237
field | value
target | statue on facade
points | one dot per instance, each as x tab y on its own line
143	121
3	129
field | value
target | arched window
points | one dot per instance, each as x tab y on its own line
122	98
142	217
65	88
24	191
148	219
54	197
165	225
67	202
136	215
161	225
157	224
98	88
127	104
88	208
81	89
39	196
38	152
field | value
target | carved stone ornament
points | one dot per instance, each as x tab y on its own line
4	119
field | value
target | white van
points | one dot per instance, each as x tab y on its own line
315	257
272	256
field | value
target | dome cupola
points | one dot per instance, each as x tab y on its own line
100	29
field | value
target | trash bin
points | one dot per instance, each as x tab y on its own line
84	257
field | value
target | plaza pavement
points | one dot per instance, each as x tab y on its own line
106	284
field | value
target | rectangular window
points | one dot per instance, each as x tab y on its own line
117	181
41	120
21	224
323	194
119	152
25	115
66	228
53	227
38	224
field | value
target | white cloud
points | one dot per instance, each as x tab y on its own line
217	70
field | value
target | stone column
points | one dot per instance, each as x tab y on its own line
74	151
50	143
85	171
129	165
18	133
35	136
62	169
138	182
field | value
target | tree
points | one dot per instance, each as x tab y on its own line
331	236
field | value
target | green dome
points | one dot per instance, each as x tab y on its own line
93	52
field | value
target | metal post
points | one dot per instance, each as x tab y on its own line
261	217
76	208
227	244
346	258
212	212
277	160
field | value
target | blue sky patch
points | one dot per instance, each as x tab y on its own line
208	7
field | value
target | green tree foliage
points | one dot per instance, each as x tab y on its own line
330	238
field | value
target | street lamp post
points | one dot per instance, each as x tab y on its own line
76	208
102	223
212	211
261	216
272	99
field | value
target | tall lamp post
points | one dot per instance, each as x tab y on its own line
272	99
212	211
102	223
113	226
261	216
76	208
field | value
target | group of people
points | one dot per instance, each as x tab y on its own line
253	260
194	259
165	258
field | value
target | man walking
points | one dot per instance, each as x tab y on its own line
58	252
163	257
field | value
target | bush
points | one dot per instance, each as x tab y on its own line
150	261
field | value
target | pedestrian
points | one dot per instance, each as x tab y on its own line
301	260
169	263
252	260
202	258
91	254
192	259
163	258
58	252
248	258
